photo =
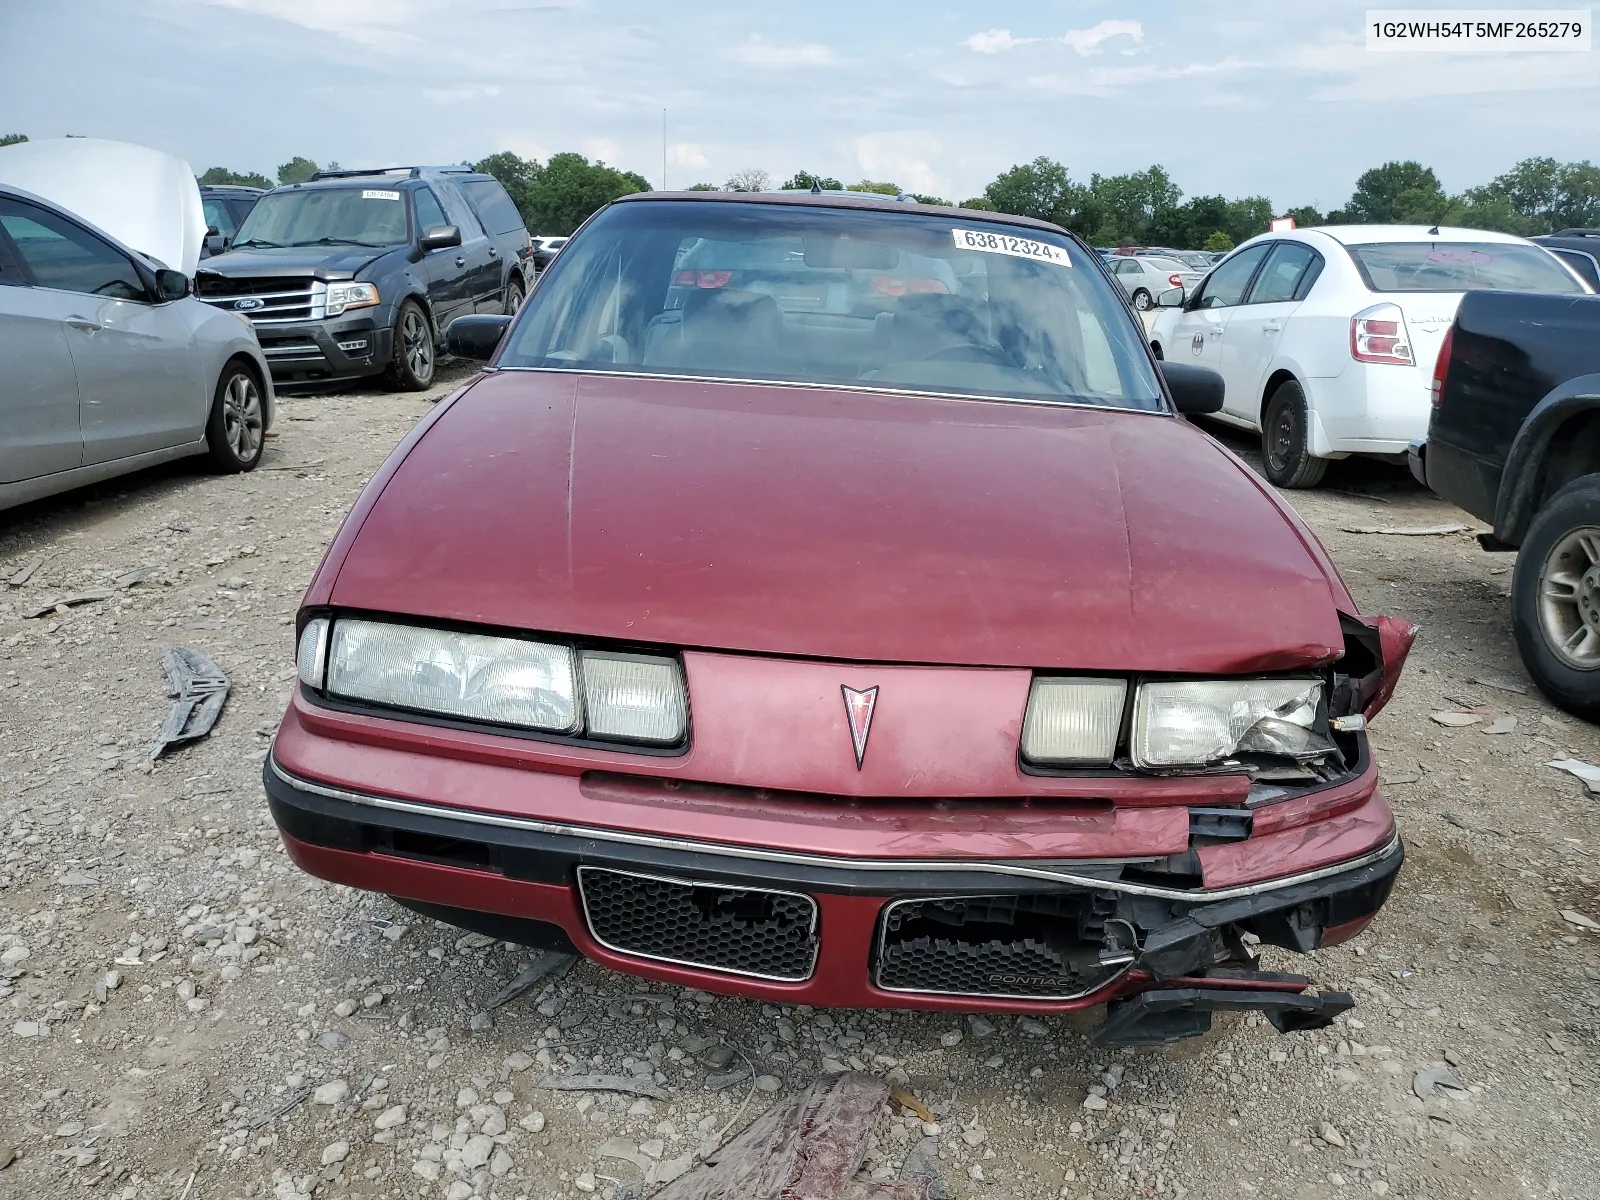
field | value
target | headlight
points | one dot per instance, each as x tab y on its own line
1073	722
504	680
634	698
344	296
508	681
1192	724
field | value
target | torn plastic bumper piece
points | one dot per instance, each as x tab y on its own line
1170	1014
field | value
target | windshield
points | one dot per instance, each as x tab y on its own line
326	216
1460	267
795	294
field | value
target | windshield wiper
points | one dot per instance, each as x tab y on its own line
343	241
257	242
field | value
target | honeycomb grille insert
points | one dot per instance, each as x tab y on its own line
1005	946
744	931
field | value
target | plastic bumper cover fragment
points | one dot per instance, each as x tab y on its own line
1163	1015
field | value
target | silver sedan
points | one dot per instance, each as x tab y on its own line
108	364
1143	277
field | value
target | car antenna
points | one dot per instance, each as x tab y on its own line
816	189
1434	232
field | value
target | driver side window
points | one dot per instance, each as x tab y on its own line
429	214
1225	286
66	258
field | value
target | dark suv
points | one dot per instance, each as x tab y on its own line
356	273
226	206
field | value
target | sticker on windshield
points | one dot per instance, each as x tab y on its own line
372	195
1004	243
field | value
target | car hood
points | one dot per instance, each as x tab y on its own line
314	262
146	199
839	524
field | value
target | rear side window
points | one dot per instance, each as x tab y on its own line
1225	285
67	258
493	206
1460	267
1280	279
219	218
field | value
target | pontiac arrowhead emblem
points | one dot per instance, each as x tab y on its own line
858	708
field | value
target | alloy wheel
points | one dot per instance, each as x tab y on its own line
1569	599
241	416
418	344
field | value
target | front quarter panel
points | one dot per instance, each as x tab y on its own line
219	337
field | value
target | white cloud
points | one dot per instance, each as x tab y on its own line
1087	41
687	154
377	24
606	150
904	157
461	95
758	52
1113	77
1084	41
1354	73
992	41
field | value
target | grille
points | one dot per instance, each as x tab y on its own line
1016	946
293	298
772	935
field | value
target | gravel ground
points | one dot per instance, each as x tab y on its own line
183	1014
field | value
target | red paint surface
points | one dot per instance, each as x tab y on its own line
832	524
846	923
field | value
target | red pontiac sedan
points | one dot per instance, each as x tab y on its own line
852	621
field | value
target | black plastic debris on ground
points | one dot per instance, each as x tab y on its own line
200	690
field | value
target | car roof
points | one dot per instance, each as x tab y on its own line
858	200
1362	235
231	189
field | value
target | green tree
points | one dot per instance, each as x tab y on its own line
804	181
569	187
876	186
1039	189
1218	241
1306	216
1545	194
924	198
1248	217
223	177
702	187
979	204
1405	193
11	139
517	175
1127	208
296	170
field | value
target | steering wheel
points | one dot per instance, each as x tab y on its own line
969	352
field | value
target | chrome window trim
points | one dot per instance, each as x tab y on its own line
816	942
757	854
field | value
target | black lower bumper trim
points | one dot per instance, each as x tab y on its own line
1155	1018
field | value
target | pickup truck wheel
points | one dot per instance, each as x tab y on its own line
1286	442
235	430
1141	300
1555	598
514	294
411	369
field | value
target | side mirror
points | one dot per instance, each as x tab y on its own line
476	337
1196	391
172	285
440	237
1171	298
216	243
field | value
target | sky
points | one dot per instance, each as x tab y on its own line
1250	97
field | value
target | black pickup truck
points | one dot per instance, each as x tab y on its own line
1515	440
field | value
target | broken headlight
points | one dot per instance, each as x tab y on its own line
1180	724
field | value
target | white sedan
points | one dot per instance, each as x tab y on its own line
1326	338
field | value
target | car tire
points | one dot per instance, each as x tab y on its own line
1555	598
1141	300
1286	458
237	426
514	295
414	357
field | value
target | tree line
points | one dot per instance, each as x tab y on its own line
1141	208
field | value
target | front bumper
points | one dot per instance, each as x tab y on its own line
307	353
800	927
